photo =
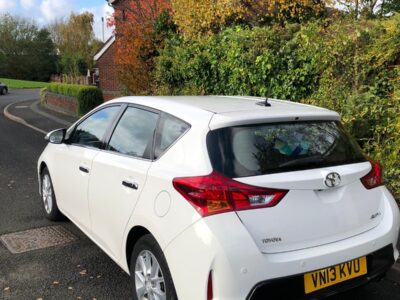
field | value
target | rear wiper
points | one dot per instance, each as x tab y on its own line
301	161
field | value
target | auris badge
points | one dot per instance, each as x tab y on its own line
332	179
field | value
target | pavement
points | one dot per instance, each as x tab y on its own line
78	270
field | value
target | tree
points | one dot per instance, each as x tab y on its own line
26	52
138	41
360	8
75	42
198	17
389	6
259	11
44	58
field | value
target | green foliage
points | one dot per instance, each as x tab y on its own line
197	18
241	61
350	66
389	6
76	42
164	26
70	90
26	52
72	64
42	94
88	97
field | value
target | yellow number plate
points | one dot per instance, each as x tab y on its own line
323	278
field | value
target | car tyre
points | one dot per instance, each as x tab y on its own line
150	275
49	198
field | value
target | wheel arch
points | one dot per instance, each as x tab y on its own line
42	166
134	235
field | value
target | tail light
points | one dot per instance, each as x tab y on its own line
215	193
374	178
210	292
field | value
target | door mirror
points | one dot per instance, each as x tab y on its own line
56	136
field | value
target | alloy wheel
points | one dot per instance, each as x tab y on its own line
149	279
47	193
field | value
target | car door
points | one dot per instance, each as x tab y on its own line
74	162
119	175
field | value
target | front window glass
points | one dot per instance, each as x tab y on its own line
92	130
134	133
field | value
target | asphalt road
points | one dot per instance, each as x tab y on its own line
79	270
32	275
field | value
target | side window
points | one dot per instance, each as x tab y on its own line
92	130
134	133
170	130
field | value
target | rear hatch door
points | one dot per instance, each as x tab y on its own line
318	163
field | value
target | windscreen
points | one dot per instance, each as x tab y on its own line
261	149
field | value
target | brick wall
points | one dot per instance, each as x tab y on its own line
108	76
108	71
62	103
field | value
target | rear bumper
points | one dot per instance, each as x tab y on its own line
240	271
378	263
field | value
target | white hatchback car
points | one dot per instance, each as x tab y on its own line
223	197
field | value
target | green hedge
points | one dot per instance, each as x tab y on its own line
348	66
88	97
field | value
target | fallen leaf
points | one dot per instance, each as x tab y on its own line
70	288
83	272
7	289
56	282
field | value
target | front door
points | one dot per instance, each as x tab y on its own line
119	175
73	165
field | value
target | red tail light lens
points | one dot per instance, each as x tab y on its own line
215	193
374	178
210	292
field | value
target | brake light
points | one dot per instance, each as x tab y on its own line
374	178
215	193
210	292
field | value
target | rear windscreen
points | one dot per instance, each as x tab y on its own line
260	149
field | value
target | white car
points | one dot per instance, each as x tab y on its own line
223	198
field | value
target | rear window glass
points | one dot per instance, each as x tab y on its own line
170	130
282	147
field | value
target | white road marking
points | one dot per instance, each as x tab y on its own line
19	120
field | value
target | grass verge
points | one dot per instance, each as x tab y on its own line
23	84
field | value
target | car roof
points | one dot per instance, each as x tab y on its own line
232	109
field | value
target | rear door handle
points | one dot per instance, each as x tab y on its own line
83	169
131	185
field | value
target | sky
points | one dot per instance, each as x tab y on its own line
45	11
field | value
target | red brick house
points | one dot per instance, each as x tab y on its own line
106	70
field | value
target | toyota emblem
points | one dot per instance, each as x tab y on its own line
332	179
